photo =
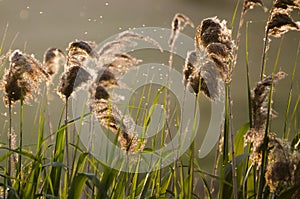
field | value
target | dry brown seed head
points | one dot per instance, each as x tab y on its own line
249	4
70	80
22	77
178	24
101	93
260	98
191	63
280	23
219	49
106	78
81	50
52	58
287	4
110	118
15	88
212	30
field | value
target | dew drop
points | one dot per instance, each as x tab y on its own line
106	3
89	19
28	7
85	33
41	12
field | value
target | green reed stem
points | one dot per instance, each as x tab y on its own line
19	168
67	141
233	164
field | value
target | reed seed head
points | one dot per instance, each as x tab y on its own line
214	36
249	4
191	62
106	78
212	30
280	23
287	4
81	50
260	98
52	59
22	77
111	119
201	77
71	80
178	24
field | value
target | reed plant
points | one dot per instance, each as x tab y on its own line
251	162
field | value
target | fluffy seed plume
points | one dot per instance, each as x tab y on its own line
212	30
178	24
202	77
111	119
259	100
52	59
75	74
259	103
191	62
221	55
213	35
287	4
72	79
81	50
22	77
121	63
280	23
249	4
113	62
118	46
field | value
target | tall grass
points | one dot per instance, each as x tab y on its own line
254	161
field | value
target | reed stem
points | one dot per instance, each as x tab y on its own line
67	140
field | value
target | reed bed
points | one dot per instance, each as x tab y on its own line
251	162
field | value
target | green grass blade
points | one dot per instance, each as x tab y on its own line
239	139
288	106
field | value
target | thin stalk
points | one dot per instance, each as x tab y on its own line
238	36
191	167
247	171
67	140
265	47
234	175
9	139
248	78
19	168
225	150
263	60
